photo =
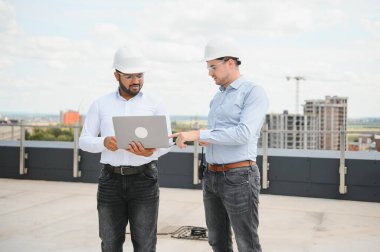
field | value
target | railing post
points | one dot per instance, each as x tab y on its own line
23	155
196	164
342	166
76	157
13	132
265	181
195	158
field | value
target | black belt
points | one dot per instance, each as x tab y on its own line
128	169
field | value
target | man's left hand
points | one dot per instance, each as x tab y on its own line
138	149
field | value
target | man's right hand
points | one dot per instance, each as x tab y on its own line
203	143
182	137
110	143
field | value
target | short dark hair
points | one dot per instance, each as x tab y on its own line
237	61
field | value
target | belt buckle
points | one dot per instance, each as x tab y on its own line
122	170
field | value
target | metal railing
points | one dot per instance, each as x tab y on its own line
342	165
265	181
265	144
335	144
76	157
23	155
21	138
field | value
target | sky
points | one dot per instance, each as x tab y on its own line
57	55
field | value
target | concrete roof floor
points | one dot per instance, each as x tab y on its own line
61	216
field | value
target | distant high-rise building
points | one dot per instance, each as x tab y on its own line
288	131
70	117
328	115
317	128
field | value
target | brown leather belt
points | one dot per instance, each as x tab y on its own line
226	167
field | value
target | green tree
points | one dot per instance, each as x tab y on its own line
50	134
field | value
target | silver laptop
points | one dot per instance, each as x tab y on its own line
151	131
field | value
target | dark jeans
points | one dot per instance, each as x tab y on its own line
231	199
133	199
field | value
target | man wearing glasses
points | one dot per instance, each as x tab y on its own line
128	189
231	183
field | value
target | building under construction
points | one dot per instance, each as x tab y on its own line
317	128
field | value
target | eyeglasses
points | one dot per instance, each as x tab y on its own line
214	67
131	76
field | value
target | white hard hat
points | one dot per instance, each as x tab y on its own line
221	48
127	60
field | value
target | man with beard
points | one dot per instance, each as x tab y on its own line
128	188
231	184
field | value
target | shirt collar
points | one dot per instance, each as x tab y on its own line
235	84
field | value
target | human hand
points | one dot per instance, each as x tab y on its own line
202	143
110	143
138	149
182	137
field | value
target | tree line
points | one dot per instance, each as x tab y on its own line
50	134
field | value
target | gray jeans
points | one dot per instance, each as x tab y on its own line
133	199
231	199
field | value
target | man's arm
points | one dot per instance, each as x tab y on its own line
251	120
89	139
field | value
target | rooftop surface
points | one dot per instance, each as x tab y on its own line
61	216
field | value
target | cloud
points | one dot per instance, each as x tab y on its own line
7	19
186	21
72	66
372	26
332	17
108	32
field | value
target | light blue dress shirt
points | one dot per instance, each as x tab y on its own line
236	116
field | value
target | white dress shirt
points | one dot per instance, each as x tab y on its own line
98	125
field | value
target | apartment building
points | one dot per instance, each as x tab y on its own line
289	131
317	128
330	116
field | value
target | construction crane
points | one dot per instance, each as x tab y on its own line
298	79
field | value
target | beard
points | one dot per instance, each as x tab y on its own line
127	90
